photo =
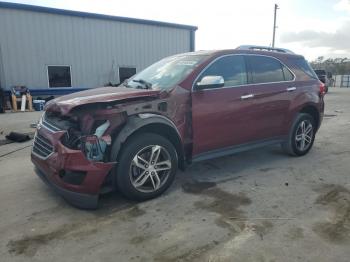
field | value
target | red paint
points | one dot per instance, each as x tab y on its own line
73	160
206	120
98	95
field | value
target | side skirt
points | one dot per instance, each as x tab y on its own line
237	149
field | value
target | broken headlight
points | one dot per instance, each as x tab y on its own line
94	146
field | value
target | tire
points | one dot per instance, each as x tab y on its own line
293	145
131	171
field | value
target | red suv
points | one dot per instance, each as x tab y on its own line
182	109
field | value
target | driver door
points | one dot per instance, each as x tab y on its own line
224	116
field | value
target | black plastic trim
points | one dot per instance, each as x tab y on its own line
236	149
83	201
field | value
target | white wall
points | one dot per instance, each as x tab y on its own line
94	48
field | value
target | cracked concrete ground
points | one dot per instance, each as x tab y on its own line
259	205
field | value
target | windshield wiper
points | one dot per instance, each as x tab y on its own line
146	84
126	83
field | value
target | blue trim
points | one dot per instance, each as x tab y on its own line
92	15
50	91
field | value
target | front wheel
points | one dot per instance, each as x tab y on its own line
147	166
301	136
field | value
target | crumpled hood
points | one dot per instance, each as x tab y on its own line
66	103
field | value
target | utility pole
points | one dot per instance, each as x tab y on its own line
274	26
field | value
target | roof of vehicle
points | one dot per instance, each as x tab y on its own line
243	51
265	48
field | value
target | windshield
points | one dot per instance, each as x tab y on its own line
165	73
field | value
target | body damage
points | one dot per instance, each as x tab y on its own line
88	116
82	136
79	118
65	104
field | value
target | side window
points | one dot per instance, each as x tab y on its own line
265	69
288	76
231	68
305	67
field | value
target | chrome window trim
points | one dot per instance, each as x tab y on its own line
208	65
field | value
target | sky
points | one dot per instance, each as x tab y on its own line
312	28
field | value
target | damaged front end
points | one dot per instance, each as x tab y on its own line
92	143
79	137
71	153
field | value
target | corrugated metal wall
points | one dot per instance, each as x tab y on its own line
94	48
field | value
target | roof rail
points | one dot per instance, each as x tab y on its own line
264	48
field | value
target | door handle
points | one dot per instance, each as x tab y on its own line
291	89
247	96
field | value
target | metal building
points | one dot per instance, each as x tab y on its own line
45	48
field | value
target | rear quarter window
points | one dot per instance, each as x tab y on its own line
304	66
266	69
288	76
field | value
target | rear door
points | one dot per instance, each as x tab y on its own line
222	117
272	84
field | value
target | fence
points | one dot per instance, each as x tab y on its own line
341	81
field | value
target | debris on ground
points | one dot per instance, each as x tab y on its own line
18	137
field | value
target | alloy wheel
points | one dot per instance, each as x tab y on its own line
304	135
150	168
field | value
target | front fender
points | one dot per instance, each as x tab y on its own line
133	124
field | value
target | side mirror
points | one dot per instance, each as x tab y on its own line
210	82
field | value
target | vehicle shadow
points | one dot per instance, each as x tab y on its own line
233	166
113	202
217	170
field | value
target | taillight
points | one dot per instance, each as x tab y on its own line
322	89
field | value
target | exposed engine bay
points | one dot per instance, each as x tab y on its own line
92	128
84	133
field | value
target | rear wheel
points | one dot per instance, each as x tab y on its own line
301	136
147	166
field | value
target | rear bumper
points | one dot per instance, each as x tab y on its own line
321	113
79	200
55	168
